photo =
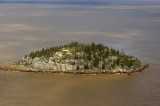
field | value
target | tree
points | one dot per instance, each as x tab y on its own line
96	62
25	56
86	66
93	53
77	67
113	65
103	66
118	61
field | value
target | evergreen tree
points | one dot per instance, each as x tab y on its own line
96	62
77	67
93	53
86	66
103	66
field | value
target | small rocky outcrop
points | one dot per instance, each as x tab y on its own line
81	57
77	58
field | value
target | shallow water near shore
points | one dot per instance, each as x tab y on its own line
18	88
132	28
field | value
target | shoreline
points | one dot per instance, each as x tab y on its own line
5	67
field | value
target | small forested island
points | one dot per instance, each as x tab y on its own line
77	58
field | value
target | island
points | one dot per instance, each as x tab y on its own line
77	58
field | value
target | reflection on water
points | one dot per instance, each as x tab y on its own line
132	28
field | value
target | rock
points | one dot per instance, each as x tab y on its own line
67	60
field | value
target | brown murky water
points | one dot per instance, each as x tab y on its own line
88	90
132	28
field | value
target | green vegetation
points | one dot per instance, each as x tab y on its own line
98	55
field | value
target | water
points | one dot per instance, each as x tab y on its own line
64	89
132	27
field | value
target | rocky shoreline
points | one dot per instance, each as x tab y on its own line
20	68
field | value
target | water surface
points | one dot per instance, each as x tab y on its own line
130	26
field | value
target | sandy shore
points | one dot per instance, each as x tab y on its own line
9	67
